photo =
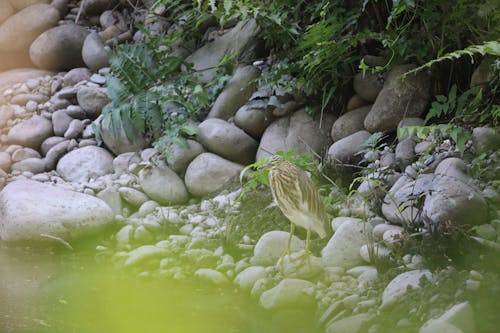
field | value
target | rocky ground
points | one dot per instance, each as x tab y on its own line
180	218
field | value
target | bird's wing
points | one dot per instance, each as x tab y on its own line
311	199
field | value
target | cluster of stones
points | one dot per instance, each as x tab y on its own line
49	155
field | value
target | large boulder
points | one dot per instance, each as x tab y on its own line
236	93
288	293
227	140
297	131
401	284
31	132
31	211
93	53
20	4
84	163
21	29
92	100
272	245
59	48
6	10
118	142
13	76
242	40
209	173
163	185
344	152
180	156
401	96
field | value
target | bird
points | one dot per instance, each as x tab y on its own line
297	197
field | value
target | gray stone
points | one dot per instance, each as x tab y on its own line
84	163
92	100
399	98
461	316
345	150
6	10
398	287
96	7
241	40
75	129
271	246
122	162
163	185
484	72
209	173
58	212
11	77
31	132
225	139
21	29
120	143
55	153
93	52
33	164
485	139
454	197
236	93
60	122
24	153
252	120
112	197
367	86
350	324
405	152
288	293
211	275
297	131
76	75
246	279
50	142
180	156
133	196
349	123
343	248
59	48
21	4
5	161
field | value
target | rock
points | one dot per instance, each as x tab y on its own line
399	98
454	198
351	324
50	142
11	77
25	99
21	29
349	123
236	93
24	153
33	164
55	153
76	75
180	156
133	196
343	248
345	150
163	185
144	253
120	143
96	7
367	86
209	173
5	161
212	276
297	131
252	120
112	197
21	4
246	279
288	293
225	139
301	266
60	122
356	102
6	10
92	100
369	252
75	129
59	48
485	139
400	205
272	245
483	73
61	6
460	316
438	326
31	132
93	53
58	212
85	163
6	114
122	162
398	287
405	153
241	40
380	229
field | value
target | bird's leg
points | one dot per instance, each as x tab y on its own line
307	241
288	245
